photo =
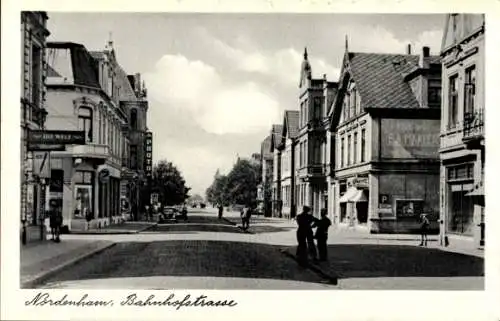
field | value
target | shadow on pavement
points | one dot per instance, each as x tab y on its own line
257	229
189	258
362	260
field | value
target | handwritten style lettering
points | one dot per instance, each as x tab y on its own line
170	301
42	299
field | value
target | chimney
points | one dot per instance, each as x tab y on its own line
424	58
408	49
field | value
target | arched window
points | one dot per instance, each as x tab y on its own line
85	122
133	118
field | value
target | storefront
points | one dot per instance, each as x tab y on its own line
353	201
401	200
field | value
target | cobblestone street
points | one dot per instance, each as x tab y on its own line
207	252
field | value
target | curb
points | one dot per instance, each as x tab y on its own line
97	232
236	224
42	277
332	279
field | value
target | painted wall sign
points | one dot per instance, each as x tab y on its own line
410	138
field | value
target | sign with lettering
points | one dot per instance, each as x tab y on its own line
104	176
148	154
410	138
56	137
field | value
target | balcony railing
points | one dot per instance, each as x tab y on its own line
474	124
316	170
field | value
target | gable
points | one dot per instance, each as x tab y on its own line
458	27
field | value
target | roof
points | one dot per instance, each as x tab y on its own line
83	66
276	132
266	148
291	123
379	79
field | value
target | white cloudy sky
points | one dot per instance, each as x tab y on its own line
217	82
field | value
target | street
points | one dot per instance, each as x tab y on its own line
209	253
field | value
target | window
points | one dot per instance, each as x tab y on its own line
470	90
133	119
99	117
363	145
355	151
434	92
453	102
104	130
306	153
306	112
349	154
85	122
342	152
317	108
352	102
346	107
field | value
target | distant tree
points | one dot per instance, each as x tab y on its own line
168	182
196	198
217	192
242	182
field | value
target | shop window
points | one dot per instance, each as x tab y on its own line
461	211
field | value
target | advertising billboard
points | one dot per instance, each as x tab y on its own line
410	138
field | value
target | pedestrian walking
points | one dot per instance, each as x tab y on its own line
55	217
246	215
221	209
305	238
424	228
321	234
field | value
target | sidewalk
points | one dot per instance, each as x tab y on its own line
42	260
123	228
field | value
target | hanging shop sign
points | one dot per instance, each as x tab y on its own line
148	154
104	176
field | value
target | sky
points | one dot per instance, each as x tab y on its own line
217	82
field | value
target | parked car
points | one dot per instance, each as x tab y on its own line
168	213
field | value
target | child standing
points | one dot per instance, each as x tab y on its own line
424	227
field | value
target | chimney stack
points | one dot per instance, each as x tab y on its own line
408	49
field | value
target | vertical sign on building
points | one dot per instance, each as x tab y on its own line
148	155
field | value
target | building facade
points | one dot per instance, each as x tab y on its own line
264	188
276	197
34	172
386	120
314	96
84	94
462	130
287	147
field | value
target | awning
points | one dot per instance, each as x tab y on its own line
477	191
359	197
348	195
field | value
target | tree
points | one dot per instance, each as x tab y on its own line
196	198
242	182
168	182
217	192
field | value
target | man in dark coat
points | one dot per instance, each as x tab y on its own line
305	237
321	234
